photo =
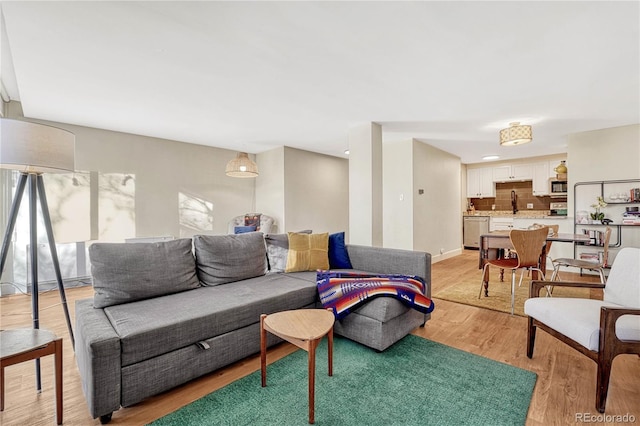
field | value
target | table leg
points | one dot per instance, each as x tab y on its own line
313	344
58	361
485	281
263	351
1	388
330	350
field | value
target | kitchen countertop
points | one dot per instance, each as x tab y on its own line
527	214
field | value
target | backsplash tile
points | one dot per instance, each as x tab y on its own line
502	201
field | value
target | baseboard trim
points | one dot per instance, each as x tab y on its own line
446	255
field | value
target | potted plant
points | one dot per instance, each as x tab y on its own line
598	216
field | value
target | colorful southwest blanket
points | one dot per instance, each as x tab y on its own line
344	291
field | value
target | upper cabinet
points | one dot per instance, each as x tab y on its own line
480	183
510	172
541	178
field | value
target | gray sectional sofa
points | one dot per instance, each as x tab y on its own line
166	313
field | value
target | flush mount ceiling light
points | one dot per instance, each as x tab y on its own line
516	134
242	167
490	157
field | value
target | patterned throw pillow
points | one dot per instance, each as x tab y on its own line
307	252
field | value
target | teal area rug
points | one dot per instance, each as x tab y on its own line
414	382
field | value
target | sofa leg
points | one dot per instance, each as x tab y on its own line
425	321
106	418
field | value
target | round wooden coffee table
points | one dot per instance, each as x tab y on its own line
304	328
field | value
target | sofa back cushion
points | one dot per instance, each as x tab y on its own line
278	250
223	259
126	272
307	252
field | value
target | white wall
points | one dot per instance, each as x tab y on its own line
365	183
316	192
162	170
605	154
437	223
430	221
397	183
270	192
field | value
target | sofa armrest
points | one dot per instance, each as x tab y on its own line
392	261
98	357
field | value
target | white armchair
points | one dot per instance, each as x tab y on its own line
267	224
599	329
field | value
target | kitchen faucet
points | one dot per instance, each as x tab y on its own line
514	202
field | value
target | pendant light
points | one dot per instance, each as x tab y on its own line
242	167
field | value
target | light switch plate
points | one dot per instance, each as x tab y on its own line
529	205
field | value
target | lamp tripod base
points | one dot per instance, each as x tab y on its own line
36	190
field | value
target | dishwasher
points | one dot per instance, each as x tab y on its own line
473	227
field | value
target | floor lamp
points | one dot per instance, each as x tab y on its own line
34	149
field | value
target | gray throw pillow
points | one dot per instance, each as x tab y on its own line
278	249
126	272
222	259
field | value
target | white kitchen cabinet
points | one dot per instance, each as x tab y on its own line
501	224
480	183
509	172
540	184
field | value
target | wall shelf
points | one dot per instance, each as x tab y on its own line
598	188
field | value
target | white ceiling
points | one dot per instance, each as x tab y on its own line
251	76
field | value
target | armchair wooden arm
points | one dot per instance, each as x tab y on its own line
610	347
536	286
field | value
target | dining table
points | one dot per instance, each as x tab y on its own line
494	244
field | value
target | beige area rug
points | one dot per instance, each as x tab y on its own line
466	292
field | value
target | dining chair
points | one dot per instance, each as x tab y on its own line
528	246
553	230
585	264
599	329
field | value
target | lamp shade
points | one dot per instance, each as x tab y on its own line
35	148
242	167
516	134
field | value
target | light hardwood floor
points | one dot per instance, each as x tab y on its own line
565	385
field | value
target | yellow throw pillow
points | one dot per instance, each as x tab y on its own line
307	252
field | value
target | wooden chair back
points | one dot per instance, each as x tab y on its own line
554	229
528	244
605	246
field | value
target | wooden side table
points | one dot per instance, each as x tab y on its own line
304	328
21	345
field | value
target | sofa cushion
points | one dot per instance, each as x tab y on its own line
338	254
223	259
307	252
156	326
278	249
126	272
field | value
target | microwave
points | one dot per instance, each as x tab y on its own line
557	188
